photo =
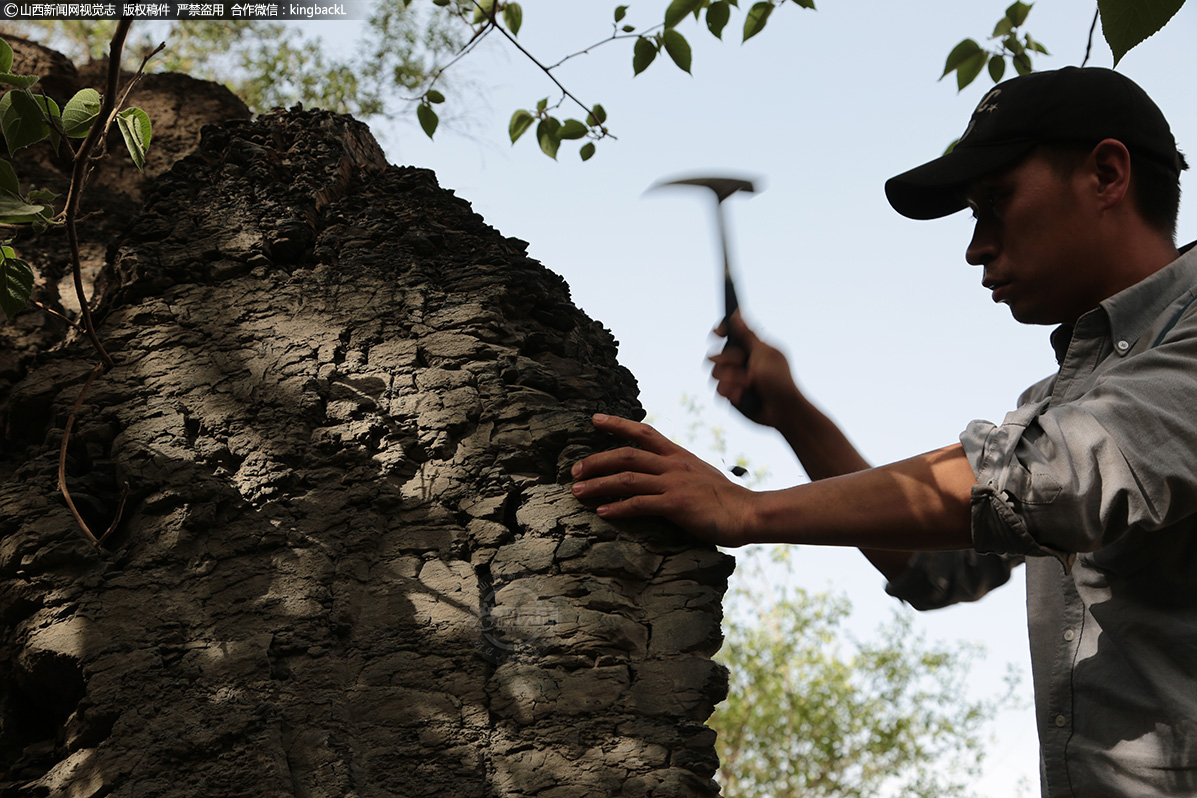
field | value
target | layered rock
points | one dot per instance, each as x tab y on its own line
349	563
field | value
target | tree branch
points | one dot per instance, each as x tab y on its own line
494	22
62	454
79	175
1092	28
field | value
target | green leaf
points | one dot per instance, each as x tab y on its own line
678	10
1036	46
51	112
628	28
757	18
14	210
43	196
513	16
968	71
597	116
521	120
1022	64
718	15
997	68
1127	23
643	54
434	96
620	13
806	4
16	284
1017	13
960	53
428	119
678	49
21	120
8	178
482	10
17	81
587	151
542	104
80	112
572	129
547	134
1004	27
136	129
5	56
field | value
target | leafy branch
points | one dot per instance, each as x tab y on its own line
969	58
506	18
26	119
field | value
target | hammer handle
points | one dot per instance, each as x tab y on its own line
750	401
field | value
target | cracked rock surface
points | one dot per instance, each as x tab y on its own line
349	563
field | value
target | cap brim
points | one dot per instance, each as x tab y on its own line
937	188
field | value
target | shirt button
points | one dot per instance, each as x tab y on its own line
1061	721
1122	346
1069	635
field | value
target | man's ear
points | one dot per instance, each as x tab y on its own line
1111	164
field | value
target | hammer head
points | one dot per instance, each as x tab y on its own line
723	187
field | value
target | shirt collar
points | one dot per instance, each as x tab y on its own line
1130	312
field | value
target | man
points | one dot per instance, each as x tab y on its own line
1073	177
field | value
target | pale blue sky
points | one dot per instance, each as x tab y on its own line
888	329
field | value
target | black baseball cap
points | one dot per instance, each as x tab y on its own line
1073	105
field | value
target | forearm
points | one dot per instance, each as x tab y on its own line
821	446
825	451
920	504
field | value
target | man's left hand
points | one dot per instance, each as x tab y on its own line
658	477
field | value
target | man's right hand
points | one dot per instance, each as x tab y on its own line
757	365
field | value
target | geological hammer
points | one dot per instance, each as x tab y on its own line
724	187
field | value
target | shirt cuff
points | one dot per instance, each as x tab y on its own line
997	526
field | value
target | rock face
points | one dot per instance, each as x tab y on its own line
349	563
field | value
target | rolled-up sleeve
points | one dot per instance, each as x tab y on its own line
935	579
1075	473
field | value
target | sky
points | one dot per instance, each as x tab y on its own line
887	328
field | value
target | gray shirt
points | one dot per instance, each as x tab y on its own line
1092	482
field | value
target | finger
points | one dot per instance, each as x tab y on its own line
730	356
732	392
631	507
623	484
635	432
616	460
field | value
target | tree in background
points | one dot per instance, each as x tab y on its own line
812	713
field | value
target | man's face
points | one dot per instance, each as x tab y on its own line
1034	236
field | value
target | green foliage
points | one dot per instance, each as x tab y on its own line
718	15
643	53
513	17
758	17
1127	23
135	127
80	112
25	120
408	47
968	59
271	64
811	713
16	282
678	49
